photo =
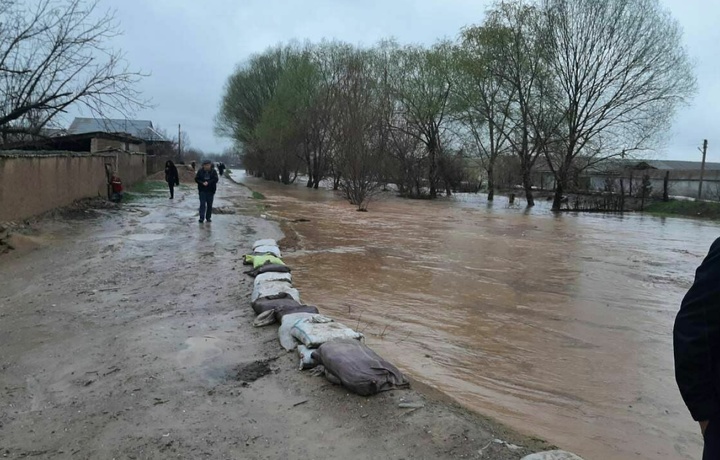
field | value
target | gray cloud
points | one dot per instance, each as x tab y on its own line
191	47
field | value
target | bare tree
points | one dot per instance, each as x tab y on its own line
421	85
361	130
485	103
620	70
54	55
515	57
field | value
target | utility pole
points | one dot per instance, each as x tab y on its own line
702	168
179	144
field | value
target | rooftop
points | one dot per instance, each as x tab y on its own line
141	129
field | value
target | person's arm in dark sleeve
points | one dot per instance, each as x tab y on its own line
197	177
214	178
696	332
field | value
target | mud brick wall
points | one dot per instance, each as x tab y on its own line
35	182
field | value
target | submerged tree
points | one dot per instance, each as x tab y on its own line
620	70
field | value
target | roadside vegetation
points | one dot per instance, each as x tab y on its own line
143	190
571	82
703	209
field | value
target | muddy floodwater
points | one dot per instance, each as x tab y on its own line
559	326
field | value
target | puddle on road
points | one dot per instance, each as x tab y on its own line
145	237
154	227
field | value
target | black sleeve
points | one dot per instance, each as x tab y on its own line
197	177
214	179
695	336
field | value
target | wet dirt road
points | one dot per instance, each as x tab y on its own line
558	326
127	334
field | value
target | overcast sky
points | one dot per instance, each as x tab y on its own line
191	47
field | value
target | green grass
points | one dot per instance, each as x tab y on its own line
258	195
701	209
145	189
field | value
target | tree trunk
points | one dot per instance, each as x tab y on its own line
558	196
666	181
527	184
432	170
527	181
491	183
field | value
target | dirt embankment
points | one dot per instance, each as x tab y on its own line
127	335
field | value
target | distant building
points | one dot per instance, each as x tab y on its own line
86	142
155	142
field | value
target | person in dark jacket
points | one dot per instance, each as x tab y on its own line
221	169
696	338
207	179
171	177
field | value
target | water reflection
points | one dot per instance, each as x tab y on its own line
557	325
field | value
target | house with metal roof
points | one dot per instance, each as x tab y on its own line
683	177
141	129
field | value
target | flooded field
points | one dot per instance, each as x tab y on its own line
559	326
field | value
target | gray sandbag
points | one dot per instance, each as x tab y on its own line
265	242
358	368
307	361
274	289
287	341
268	268
274	250
262	305
266	277
283	310
318	329
265	319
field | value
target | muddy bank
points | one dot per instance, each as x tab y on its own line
560	326
128	335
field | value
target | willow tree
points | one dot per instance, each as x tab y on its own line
483	102
621	71
514	54
247	94
421	83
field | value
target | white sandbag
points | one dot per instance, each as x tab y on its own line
318	329
287	341
272	276
265	319
306	359
273	289
553	455
274	250
266	242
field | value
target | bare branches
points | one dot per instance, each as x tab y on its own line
54	55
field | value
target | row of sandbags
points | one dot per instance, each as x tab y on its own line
323	344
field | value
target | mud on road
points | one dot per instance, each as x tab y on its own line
127	335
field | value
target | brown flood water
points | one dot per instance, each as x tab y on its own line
559	326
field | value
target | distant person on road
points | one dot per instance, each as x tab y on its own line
117	189
221	169
171	177
207	179
192	163
697	350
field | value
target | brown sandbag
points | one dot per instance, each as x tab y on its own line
289	310
265	304
358	368
268	268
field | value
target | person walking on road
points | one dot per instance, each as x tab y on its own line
221	169
171	177
696	338
207	179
